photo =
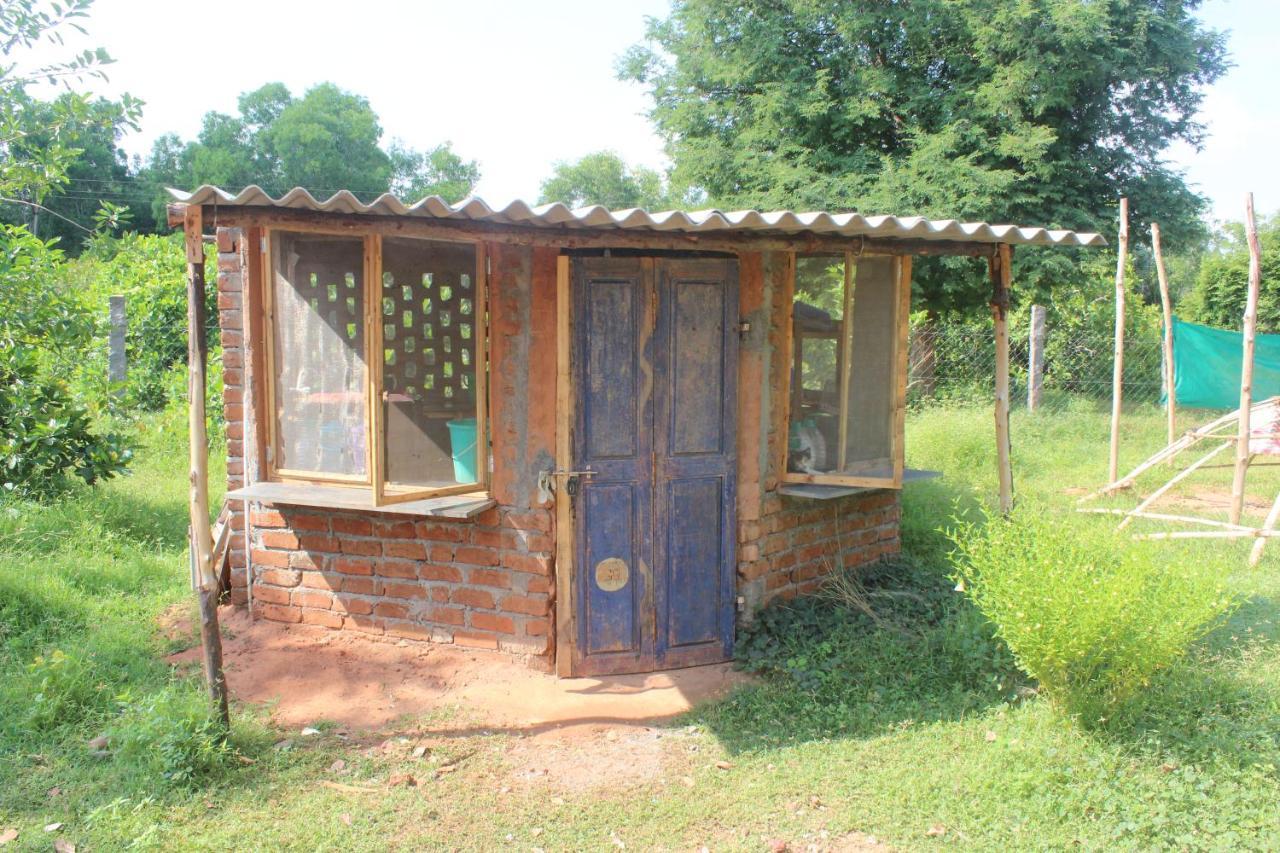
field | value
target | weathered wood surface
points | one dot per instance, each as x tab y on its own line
1002	277
464	505
1117	369
1166	308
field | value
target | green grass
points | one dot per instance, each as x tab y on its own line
917	724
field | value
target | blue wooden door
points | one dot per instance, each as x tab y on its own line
654	370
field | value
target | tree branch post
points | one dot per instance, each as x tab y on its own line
1117	370
1246	362
201	531
1001	278
1166	306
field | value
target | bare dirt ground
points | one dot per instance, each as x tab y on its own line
569	734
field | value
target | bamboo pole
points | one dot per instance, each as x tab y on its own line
1179	477
1255	555
1164	516
1166	306
1246	363
1254	532
1001	275
201	532
1117	371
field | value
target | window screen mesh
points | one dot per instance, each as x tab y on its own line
819	364
318	296
428	312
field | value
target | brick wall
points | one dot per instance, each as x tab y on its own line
231	325
795	542
485	582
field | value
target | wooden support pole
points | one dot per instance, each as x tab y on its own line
1177	478
201	531
1001	278
1246	363
1035	359
1273	515
1166	306
1117	370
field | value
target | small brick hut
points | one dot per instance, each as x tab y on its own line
594	439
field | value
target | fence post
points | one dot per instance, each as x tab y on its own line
1035	359
117	365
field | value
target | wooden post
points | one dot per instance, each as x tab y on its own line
201	531
1001	276
1246	363
1035	359
1167	307
117	363
1117	370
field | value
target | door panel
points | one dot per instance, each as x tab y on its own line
654	371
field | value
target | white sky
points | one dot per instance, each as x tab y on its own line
520	85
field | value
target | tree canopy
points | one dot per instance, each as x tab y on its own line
1028	111
604	178
325	141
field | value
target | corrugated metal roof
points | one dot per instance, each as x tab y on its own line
695	222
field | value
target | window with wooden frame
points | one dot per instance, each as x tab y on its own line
847	396
376	363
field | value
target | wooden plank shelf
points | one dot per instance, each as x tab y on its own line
343	497
812	491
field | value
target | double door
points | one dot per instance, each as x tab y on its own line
654	369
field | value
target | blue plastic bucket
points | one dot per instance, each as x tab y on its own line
462	444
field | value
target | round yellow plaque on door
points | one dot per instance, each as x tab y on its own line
612	574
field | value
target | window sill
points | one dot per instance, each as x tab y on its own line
810	491
361	499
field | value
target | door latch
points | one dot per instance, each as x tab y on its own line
571	478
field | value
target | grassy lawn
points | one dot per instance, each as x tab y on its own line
927	737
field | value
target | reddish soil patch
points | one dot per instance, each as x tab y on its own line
308	674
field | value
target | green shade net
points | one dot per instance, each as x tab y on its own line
1206	366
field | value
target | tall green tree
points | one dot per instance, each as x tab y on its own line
1026	111
325	141
1222	286
604	178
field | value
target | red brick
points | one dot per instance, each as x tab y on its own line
279	577
359	585
476	556
536	627
364	624
227	239
277	613
318	542
270	558
313	598
390	609
538	584
493	622
532	563
396	569
441	532
411	550
441	553
279	539
440	594
431	572
352	526
307	521
538	542
327	618
305	560
489	577
365	547
316	580
232	376
474	640
267	518
409	630
235	468
494	538
271	595
356	606
449	615
404	590
396	530
524	604
353	566
233	412
489	518
232	358
477	598
235	430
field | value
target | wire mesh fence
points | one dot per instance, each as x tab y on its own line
955	363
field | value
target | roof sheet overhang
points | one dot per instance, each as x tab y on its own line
597	218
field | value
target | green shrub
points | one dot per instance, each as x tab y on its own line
1090	615
62	690
170	734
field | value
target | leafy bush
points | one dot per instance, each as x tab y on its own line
1092	617
170	734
